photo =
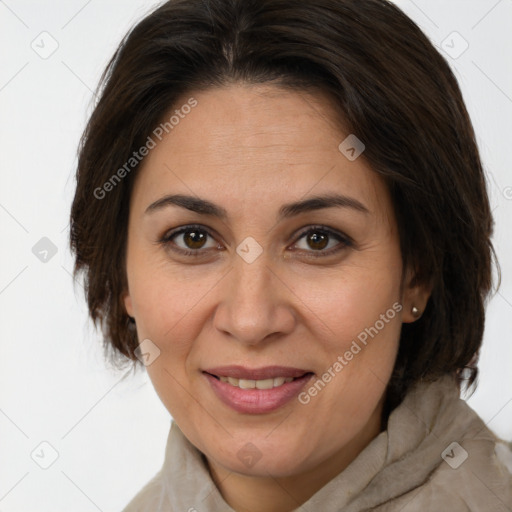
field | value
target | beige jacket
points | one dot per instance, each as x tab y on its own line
436	455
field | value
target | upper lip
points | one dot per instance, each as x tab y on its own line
266	372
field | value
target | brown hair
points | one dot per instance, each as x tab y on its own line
391	88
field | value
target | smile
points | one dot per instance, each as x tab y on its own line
269	388
258	384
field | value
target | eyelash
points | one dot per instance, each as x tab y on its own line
344	240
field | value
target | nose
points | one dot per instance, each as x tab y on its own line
255	305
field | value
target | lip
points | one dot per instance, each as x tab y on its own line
257	401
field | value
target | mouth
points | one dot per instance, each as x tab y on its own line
257	391
266	377
270	383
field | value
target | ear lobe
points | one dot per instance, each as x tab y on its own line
415	298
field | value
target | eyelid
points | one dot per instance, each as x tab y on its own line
181	229
325	229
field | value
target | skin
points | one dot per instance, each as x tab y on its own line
250	149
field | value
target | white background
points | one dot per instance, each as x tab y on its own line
110	432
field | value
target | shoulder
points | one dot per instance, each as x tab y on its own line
474	473
446	456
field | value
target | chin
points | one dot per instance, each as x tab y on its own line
261	458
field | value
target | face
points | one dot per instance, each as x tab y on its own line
261	277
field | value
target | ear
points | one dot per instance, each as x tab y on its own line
127	300
414	297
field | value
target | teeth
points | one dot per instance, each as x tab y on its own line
246	384
258	384
264	384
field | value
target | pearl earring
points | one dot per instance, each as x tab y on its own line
415	312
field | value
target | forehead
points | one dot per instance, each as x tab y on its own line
251	144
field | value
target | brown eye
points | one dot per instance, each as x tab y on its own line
194	239
317	240
320	241
189	240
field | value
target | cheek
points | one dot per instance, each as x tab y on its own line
345	303
357	318
168	313
166	301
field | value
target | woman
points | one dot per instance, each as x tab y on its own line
281	212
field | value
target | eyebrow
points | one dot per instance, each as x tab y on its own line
205	207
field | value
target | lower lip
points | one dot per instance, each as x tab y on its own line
257	401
